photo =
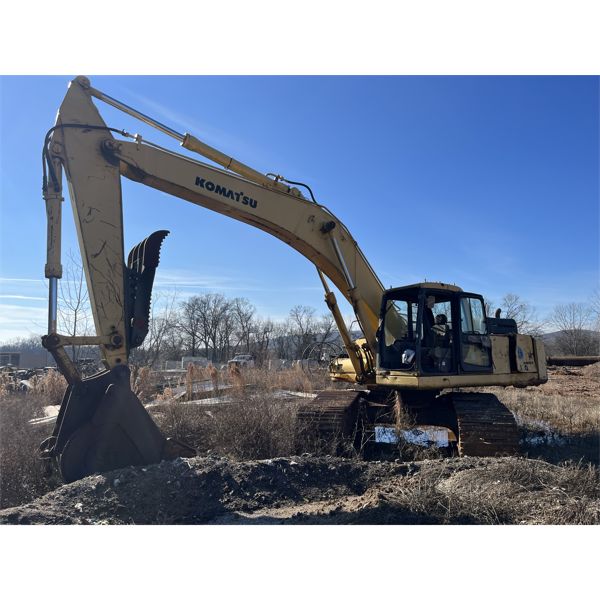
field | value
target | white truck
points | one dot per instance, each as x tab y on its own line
242	361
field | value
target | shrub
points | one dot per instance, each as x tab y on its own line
50	387
250	422
22	473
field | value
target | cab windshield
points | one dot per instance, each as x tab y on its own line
416	331
398	333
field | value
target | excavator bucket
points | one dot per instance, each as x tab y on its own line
102	426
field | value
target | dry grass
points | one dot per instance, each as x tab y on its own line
569	403
489	492
50	387
566	414
255	428
258	427
252	422
592	371
141	383
264	381
6	386
514	490
23	476
559	420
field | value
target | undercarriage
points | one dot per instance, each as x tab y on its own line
467	423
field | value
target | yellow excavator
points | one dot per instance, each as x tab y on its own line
421	344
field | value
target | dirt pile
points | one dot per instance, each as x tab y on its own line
583	382
323	490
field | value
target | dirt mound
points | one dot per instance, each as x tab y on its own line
309	489
592	371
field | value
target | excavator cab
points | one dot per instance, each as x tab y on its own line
433	329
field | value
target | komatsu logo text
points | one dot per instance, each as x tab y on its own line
215	188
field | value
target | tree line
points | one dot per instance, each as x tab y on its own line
574	326
216	327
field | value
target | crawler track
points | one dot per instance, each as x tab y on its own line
485	426
332	413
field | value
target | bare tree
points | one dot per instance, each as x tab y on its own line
74	312
574	322
216	326
173	342
514	307
283	342
243	313
595	308
261	333
216	323
226	341
302	327
327	328
160	331
190	322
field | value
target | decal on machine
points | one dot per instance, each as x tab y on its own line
224	191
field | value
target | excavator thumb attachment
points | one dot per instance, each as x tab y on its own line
141	268
102	426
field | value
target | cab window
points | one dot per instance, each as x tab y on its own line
475	342
472	316
399	330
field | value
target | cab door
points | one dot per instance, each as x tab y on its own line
475	343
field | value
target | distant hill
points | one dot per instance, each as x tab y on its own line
589	342
554	335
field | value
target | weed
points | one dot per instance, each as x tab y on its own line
23	476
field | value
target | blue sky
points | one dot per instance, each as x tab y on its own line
487	182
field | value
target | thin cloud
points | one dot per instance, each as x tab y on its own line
191	280
172	118
167	114
18	297
20	280
219	283
18	321
220	139
14	312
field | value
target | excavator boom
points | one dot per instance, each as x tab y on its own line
94	160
